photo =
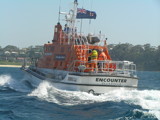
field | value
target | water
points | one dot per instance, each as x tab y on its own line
21	101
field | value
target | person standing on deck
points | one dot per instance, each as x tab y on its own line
101	59
93	56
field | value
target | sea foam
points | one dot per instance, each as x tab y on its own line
8	82
5	80
147	99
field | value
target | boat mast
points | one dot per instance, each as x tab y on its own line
90	19
59	11
74	13
72	21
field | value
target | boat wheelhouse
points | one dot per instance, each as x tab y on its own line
72	60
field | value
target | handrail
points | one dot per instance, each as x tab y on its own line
126	68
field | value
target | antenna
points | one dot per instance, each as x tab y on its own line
91	1
59	11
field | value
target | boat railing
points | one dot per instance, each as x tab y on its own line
82	39
109	67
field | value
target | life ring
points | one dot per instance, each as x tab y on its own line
91	92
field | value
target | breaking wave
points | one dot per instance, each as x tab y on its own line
147	99
8	83
138	115
4	80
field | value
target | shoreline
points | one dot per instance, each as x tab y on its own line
16	66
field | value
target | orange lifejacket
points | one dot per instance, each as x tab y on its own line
102	56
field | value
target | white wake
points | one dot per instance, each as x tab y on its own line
8	82
147	99
4	80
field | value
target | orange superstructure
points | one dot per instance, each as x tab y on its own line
68	52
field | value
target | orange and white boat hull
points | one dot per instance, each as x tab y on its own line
91	82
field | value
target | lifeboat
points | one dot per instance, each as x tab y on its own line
81	62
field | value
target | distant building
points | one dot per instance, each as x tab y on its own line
20	59
7	53
38	46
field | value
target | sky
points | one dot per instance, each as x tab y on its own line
25	23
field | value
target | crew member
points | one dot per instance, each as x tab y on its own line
89	56
94	55
101	59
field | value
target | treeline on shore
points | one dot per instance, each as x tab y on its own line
12	55
146	57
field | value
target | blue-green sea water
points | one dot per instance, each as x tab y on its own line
19	100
